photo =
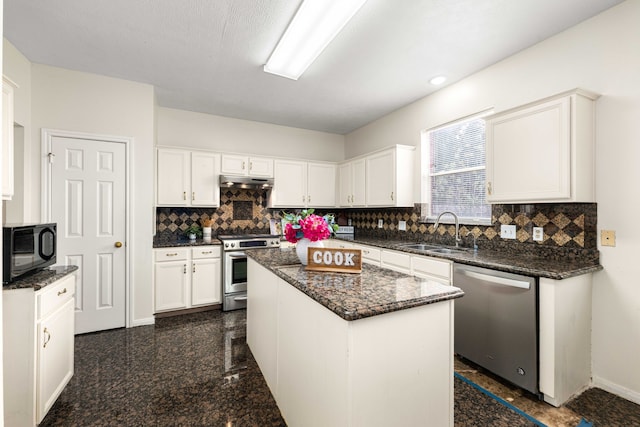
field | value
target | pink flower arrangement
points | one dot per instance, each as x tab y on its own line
308	225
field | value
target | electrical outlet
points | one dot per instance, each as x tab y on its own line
608	238
538	234
402	225
380	223
508	231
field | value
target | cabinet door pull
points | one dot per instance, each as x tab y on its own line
62	292
206	252
173	254
250	166
302	199
184	195
392	195
308	199
194	268
243	164
193	196
47	335
184	269
489	188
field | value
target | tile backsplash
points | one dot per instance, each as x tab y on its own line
571	227
241	212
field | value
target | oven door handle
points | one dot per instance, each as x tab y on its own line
236	255
240	298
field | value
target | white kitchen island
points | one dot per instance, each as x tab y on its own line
336	349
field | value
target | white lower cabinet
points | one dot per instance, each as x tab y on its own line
395	260
426	267
186	278
370	255
38	340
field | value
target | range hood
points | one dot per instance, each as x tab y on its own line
227	181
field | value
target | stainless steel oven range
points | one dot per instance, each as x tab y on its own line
234	265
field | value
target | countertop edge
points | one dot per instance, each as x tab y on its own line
41	279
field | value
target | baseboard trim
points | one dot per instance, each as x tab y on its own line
616	389
143	322
188	311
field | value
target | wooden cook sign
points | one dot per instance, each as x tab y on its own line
335	260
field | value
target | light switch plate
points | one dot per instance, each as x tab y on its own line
538	234
608	238
402	225
380	223
508	231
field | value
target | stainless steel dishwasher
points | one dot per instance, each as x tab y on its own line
496	323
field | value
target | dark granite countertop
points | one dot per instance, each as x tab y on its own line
42	278
519	263
184	243
355	296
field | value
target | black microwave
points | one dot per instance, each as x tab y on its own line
27	248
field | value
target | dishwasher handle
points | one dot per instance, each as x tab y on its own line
496	280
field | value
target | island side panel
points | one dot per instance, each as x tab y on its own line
401	367
262	315
312	362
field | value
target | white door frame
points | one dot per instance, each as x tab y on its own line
46	136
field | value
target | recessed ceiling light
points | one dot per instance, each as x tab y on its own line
313	27
438	80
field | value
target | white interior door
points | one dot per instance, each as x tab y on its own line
88	202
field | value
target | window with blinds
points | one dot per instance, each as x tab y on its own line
454	170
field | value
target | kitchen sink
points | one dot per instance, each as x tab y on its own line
420	247
445	251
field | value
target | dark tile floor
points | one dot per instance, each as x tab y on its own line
595	406
196	370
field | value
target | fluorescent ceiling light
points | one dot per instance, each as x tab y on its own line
438	80
313	27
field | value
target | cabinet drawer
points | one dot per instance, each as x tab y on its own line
369	254
171	254
396	261
54	296
425	266
205	252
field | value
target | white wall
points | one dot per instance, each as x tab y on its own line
601	55
82	102
205	131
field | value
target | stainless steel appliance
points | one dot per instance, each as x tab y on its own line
345	232
234	265
27	248
496	323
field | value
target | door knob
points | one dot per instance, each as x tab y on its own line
118	244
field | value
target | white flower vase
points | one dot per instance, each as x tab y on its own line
302	246
192	237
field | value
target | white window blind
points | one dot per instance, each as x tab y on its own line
455	170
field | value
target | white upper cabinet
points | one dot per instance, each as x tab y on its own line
233	164
389	177
7	138
303	184
352	183
321	185
186	178
543	151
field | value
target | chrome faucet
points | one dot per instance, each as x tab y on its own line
458	240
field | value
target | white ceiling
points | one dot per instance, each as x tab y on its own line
207	55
